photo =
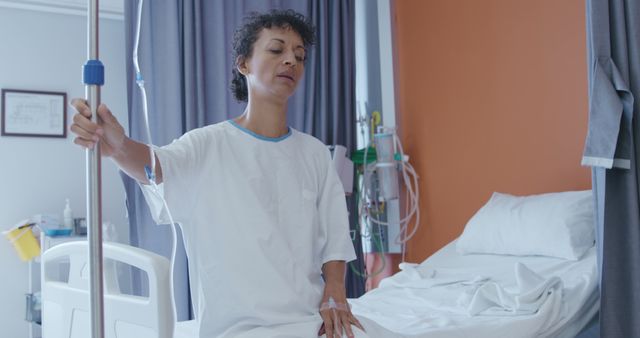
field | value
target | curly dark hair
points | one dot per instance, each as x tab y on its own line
247	35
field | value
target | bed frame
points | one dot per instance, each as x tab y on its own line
65	298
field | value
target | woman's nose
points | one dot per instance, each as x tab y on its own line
290	59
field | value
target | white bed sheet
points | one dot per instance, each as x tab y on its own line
403	307
408	307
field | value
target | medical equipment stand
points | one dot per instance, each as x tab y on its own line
93	78
35	330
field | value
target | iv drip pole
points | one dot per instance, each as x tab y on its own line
93	78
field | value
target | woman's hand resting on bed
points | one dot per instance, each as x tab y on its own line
335	312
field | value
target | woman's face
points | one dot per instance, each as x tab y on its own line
276	63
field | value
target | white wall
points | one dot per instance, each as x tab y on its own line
45	51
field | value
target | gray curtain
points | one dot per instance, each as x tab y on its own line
185	58
611	148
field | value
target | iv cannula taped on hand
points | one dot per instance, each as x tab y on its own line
334	307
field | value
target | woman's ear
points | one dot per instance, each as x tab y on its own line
241	65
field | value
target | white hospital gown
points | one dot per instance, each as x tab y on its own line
260	216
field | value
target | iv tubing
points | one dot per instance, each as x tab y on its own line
151	171
140	83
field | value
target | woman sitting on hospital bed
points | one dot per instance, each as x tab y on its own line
260	205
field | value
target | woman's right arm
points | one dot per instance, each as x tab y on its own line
129	155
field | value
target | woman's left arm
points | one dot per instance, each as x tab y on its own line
334	308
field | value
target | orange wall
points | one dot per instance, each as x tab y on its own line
492	96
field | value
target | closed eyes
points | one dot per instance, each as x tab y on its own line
299	58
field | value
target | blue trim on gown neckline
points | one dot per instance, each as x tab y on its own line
261	137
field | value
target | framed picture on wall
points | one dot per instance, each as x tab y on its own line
34	113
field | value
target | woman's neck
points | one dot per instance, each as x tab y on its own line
268	119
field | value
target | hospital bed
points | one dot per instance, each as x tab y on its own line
436	298
405	305
453	293
524	266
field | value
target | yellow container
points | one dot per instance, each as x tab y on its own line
24	242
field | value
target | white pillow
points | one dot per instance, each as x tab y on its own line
554	224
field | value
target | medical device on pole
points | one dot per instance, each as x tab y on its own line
384	166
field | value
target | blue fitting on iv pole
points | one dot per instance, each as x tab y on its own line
93	73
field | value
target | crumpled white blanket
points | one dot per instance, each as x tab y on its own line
490	298
480	295
413	277
483	296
